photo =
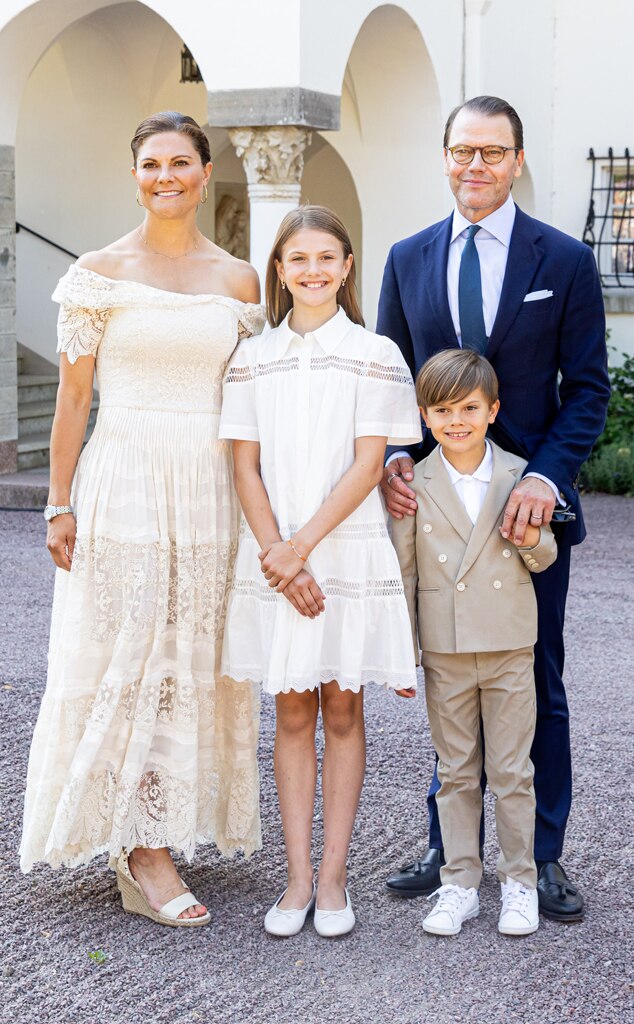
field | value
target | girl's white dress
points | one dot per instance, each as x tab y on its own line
138	741
306	400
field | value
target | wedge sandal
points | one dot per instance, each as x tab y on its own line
135	900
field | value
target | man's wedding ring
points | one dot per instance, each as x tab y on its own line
391	477
538	519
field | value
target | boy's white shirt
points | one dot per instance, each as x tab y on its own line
472	488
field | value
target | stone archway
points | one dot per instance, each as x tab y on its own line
391	137
78	76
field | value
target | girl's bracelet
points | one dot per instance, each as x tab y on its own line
290	543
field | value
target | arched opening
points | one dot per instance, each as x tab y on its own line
391	138
78	111
327	180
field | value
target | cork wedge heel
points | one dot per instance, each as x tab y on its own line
135	901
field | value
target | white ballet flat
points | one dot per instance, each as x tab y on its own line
285	923
135	900
332	923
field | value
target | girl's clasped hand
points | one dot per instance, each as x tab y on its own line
284	570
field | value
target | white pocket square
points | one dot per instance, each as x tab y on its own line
543	294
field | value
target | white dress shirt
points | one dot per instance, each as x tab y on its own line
472	488
492	244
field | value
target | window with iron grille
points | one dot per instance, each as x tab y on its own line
609	229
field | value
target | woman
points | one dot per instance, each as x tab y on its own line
140	745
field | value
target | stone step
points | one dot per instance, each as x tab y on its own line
37	387
37	417
34	450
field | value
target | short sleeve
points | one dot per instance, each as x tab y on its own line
238	419
79	330
85	300
386	397
251	319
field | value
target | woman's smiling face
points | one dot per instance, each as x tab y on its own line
170	174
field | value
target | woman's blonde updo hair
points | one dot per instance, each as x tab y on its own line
278	300
172	121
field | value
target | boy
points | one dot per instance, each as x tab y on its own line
470	595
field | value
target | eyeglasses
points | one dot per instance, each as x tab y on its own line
490	154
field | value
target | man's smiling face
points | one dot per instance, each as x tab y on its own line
481	188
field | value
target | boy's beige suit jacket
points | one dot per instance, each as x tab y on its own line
468	589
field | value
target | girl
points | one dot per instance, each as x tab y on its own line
317	607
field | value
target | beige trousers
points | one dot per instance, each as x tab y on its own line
497	688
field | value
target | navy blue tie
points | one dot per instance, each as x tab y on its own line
472	329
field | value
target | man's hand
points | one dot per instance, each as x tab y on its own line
399	498
532	501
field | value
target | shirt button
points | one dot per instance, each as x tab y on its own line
506	553
427	528
460	586
497	584
442	558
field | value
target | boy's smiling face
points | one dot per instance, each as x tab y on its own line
460	428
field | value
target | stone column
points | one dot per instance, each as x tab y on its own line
273	159
8	344
472	72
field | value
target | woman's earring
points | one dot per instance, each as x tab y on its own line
343	282
138	198
205	194
283	283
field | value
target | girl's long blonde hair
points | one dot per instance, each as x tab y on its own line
278	299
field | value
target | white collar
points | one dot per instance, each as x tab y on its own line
498	224
484	472
328	336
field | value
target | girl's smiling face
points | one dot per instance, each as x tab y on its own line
313	268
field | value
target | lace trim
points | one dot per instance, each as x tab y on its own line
142	588
79	330
378	371
345	531
331	586
377	677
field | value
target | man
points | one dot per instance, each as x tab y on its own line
528	297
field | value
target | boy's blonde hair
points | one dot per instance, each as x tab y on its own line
453	374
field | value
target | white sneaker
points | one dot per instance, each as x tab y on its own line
285	923
454	906
520	909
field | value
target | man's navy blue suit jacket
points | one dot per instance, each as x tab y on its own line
549	354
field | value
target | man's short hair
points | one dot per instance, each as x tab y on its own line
452	374
488	106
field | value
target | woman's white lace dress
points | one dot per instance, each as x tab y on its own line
306	400
139	742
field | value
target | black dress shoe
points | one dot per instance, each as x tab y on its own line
419	878
558	898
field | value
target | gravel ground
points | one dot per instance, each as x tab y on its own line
388	970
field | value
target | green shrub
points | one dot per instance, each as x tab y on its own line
610	469
619	427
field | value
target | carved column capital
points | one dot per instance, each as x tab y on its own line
273	159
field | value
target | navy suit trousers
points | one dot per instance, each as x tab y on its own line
550	753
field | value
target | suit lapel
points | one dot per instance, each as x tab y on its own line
443	494
493	506
524	257
435	254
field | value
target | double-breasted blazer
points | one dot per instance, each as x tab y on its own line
467	589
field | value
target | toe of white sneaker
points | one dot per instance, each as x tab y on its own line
513	923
